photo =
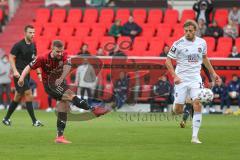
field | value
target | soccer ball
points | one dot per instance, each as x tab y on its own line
205	95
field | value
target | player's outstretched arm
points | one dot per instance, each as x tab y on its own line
25	72
208	65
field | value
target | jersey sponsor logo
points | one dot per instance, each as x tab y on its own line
193	58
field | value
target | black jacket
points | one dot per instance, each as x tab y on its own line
128	27
196	7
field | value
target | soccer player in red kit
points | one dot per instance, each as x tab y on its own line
55	67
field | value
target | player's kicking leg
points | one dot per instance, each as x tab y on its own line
80	103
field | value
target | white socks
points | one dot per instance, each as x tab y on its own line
196	123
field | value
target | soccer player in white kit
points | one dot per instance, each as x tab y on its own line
189	52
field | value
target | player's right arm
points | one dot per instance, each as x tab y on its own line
36	63
12	61
172	55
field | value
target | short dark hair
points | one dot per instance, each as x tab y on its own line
28	26
190	22
57	43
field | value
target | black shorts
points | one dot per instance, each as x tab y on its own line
56	92
26	85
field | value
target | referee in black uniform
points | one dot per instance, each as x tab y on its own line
22	53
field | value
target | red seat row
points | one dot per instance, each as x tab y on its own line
108	15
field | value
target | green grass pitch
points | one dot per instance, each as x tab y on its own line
118	136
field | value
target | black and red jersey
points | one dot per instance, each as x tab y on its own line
52	68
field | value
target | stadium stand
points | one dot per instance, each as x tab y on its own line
77	26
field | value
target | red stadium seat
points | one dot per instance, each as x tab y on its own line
124	38
106	15
74	16
221	17
169	41
224	46
66	30
122	14
237	43
58	15
1	14
155	47
187	14
92	44
50	30
139	47
90	16
178	32
82	30
105	40
155	16
139	15
148	32
164	31
98	32
38	29
73	45
171	16
42	15
210	44
43	44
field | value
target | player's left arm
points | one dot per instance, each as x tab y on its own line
208	65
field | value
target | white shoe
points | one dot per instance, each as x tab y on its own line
49	110
195	140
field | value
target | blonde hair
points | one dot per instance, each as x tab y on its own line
190	22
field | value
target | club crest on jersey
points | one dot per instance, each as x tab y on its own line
173	49
200	50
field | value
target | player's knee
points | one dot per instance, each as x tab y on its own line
178	109
17	97
197	105
28	95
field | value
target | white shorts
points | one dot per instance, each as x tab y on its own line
186	90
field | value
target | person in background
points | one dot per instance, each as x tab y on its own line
233	90
165	51
214	30
116	29
231	30
120	90
201	28
5	80
234	53
100	52
234	15
86	79
131	28
84	50
219	92
203	9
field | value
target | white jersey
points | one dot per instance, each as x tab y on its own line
189	56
